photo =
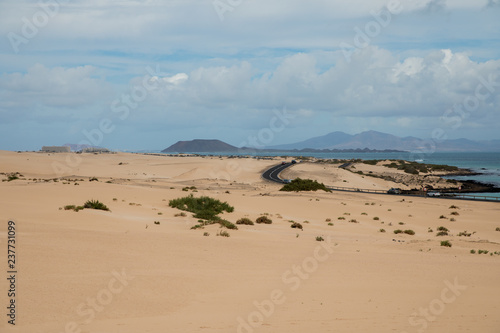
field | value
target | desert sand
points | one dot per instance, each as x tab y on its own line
98	271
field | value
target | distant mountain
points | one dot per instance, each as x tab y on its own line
382	141
320	142
200	146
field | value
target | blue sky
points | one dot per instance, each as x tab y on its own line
133	75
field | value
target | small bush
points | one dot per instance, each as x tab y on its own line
364	213
497	229
446	243
245	221
304	185
206	234
93	179
473	251
296	225
442	217
376	218
353	221
454	213
157	222
442	229
442	233
263	219
328	220
223	233
409	232
382	230
401	223
69	207
319	238
341	218
398	231
454	207
181	214
95	204
330	224
464	233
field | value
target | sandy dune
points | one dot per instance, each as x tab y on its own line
97	271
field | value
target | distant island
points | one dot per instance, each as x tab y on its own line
368	141
217	146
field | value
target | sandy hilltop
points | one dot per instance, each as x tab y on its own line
141	268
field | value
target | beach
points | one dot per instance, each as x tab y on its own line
141	268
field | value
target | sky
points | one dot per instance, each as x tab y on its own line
142	75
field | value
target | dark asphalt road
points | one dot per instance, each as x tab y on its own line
272	174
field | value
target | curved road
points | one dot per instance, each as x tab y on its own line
273	173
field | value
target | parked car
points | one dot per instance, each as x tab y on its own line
283	163
287	181
433	194
294	161
394	190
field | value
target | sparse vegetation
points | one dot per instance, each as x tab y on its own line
464	233
398	231
296	225
95	204
299	184
446	243
409	232
454	207
376	218
263	219
382	230
454	213
330	224
204	208
223	233
319	239
497	229
442	217
206	234
442	233
341	218
353	221
473	251
245	221
181	214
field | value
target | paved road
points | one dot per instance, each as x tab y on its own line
272	174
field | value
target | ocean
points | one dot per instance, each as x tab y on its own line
486	164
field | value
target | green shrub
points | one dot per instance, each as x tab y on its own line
330	224
203	207
473	251
95	204
226	223
206	234
223	233
376	218
446	243
455	213
245	221
497	229
442	233
304	185
442	217
69	207
409	232
398	231
454	207
296	225
442	229
319	238
263	219
382	230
